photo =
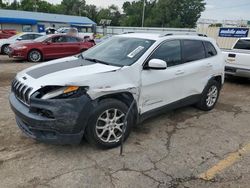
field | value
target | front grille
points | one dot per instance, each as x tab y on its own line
21	91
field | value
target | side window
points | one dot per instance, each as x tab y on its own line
72	39
36	36
59	39
170	52
242	44
210	50
26	37
193	50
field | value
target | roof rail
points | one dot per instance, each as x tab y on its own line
178	33
183	33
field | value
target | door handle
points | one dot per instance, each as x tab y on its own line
179	72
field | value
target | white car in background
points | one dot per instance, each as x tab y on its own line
4	43
73	30
238	59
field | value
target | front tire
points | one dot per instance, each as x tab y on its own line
209	96
5	49
104	128
35	56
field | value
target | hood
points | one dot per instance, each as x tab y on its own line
66	71
3	41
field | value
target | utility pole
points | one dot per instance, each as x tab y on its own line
143	13
35	6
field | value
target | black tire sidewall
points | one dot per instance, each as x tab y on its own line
103	105
203	104
2	50
29	59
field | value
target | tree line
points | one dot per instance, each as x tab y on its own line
158	13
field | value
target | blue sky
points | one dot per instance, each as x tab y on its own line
215	9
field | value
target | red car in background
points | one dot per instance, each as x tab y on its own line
49	47
7	33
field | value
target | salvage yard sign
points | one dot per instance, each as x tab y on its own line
233	32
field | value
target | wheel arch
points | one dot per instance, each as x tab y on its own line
125	97
217	78
37	49
3	46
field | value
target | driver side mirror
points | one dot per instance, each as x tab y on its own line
156	64
19	38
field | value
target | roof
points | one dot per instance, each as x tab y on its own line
157	36
26	17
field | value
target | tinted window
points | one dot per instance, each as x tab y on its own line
72	39
210	50
242	44
193	50
36	36
59	39
26	37
170	52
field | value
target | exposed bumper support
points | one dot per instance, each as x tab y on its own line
65	124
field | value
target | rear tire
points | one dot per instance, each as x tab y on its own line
34	56
5	49
104	128
209	96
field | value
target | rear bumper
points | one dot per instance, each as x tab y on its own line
65	125
237	72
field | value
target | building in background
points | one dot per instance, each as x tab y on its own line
25	21
222	23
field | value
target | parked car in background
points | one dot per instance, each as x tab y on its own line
28	36
68	30
238	59
90	94
7	33
49	47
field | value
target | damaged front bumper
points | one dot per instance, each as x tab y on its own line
57	121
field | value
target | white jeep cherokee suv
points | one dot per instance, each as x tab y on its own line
90	94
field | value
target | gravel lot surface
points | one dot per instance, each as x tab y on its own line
184	148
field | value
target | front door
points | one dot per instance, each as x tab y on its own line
162	87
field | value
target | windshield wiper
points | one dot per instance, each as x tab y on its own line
96	61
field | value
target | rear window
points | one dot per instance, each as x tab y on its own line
210	50
242	44
193	50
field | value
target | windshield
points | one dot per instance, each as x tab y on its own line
42	38
15	36
119	51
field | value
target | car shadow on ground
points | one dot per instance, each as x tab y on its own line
237	80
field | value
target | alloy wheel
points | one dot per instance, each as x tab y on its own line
35	56
109	125
212	96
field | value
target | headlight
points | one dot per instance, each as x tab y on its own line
55	92
21	47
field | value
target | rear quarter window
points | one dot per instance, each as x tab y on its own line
210	50
193	50
242	44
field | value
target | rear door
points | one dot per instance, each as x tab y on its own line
72	45
197	68
54	47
